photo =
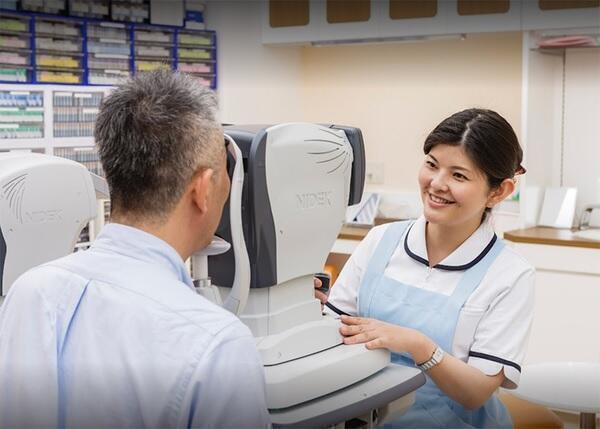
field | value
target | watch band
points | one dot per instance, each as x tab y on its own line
436	358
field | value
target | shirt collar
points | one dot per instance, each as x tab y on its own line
465	256
143	246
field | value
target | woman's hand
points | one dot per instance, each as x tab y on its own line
381	335
318	294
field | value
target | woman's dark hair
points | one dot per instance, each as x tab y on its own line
487	138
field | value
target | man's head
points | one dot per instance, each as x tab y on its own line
157	136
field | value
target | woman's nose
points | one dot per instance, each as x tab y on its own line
439	181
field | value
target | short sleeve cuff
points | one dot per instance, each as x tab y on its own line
492	365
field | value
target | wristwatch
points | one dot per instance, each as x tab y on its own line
436	357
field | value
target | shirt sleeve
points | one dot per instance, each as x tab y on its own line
227	389
501	338
344	293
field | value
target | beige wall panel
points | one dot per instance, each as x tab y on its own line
397	93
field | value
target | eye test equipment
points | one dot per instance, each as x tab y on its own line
290	187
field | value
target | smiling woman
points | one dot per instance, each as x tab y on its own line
443	292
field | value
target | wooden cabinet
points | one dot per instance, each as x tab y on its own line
567	294
552	14
380	20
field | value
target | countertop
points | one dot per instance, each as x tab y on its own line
349	232
550	236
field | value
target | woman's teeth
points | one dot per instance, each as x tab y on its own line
439	200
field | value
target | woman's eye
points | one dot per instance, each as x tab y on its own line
430	164
460	176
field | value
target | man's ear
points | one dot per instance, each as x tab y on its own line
201	188
499	194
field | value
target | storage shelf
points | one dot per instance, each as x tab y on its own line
94	32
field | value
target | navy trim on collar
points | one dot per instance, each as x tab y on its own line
449	267
495	359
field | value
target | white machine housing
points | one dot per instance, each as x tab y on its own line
45	202
299	179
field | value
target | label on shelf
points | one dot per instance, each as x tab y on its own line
82	95
19	92
4	125
9	109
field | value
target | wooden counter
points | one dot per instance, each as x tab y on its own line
359	232
550	236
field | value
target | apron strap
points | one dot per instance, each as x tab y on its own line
474	275
384	250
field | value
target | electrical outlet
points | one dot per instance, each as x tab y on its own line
374	173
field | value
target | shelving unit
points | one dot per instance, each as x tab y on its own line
15	48
196	55
153	48
21	115
75	113
41	48
49	116
59	54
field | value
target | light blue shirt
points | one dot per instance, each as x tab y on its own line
116	336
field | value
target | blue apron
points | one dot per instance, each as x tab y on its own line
435	315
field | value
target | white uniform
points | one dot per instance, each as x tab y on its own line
494	324
116	336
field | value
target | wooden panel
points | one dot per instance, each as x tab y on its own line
567	4
550	236
407	9
288	13
482	7
339	11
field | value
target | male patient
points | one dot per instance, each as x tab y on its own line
116	336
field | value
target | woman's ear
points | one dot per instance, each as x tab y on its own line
201	189
499	194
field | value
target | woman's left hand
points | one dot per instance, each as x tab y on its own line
376	334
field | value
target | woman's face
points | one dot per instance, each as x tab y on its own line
453	189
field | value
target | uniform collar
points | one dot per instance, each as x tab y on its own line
143	246
468	254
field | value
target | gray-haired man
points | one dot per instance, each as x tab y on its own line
116	336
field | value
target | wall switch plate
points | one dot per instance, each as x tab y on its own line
374	173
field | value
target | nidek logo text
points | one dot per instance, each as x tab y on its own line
42	216
312	200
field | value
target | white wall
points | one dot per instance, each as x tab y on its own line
582	126
256	84
398	92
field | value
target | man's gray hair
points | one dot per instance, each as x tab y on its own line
154	133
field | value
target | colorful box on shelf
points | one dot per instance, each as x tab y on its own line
194	67
57	29
21	131
58	77
13	42
153	36
150	65
190	39
17	115
21	99
17	25
203	54
107	77
14	58
13	74
57	61
45	43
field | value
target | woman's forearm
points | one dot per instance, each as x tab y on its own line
465	384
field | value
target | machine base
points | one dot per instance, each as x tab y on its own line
391	390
